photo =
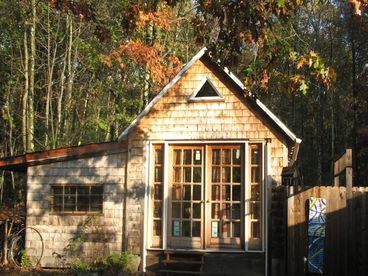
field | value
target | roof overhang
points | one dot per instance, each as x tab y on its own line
271	116
22	162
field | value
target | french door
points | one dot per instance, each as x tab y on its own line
186	197
206	197
224	196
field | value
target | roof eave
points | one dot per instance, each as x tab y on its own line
22	162
123	136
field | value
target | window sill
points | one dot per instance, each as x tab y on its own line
75	213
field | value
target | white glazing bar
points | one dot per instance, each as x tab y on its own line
267	185
146	204
246	201
166	195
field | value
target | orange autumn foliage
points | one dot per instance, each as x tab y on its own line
162	18
148	56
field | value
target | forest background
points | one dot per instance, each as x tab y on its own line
75	71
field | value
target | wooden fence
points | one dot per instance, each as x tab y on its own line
345	253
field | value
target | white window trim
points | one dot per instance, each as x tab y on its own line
246	143
194	97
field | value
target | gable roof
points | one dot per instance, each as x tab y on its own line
271	116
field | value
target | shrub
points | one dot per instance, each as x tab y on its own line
112	265
25	261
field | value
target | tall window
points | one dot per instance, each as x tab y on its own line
255	200
158	176
76	199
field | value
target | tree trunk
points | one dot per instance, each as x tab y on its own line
61	93
32	58
25	94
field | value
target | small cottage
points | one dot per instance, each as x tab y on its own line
191	175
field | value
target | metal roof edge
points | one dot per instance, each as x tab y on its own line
287	131
124	134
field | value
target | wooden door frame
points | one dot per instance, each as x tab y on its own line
224	243
169	218
266	171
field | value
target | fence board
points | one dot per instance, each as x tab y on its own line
341	247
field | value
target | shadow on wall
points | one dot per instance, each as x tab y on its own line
346	241
66	236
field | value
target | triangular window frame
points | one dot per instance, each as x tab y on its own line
194	97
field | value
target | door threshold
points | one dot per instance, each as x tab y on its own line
199	250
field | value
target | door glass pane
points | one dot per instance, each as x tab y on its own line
236	229
197	210
177	175
255	229
186	228
157	211
255	175
186	192
215	174
255	211
216	157
158	156
255	195
157	227
187	157
197	157
226	156
255	156
196	229
188	175
226	211
236	156
158	174
236	175
215	192
176	228
177	157
226	177
225	229
236	211
197	175
158	192
236	193
176	210
186	209
176	192
226	192
215	211
197	192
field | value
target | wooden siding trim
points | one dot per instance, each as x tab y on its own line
219	96
21	162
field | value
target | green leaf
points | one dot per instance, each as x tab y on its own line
249	70
280	3
303	87
293	55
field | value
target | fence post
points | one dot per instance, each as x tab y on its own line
349	204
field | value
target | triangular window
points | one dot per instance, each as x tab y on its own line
206	91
